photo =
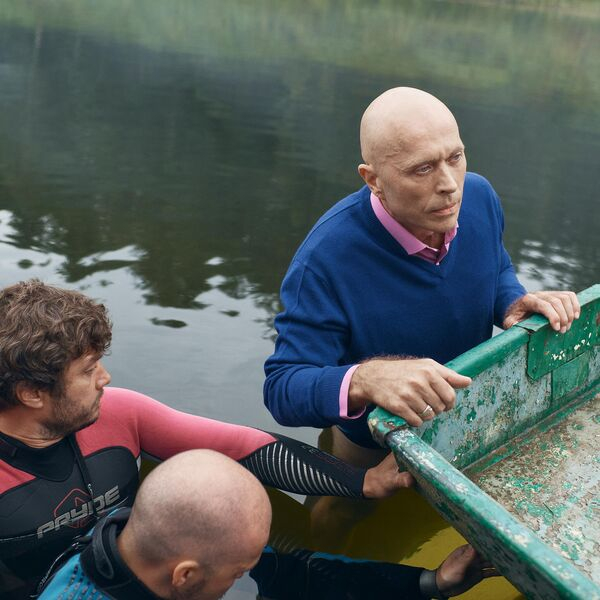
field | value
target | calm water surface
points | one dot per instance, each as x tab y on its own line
168	158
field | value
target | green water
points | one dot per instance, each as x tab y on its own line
168	157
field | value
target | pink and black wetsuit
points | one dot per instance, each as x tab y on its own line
51	495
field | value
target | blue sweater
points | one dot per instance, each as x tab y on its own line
352	292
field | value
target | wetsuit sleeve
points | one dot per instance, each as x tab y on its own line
291	465
304	575
275	460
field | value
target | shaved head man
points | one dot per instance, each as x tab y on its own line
200	521
395	280
200	555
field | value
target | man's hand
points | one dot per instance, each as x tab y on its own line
462	569
385	479
414	389
560	308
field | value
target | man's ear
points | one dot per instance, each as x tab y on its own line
30	396
367	172
186	573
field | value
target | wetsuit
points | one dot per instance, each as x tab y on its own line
93	569
51	495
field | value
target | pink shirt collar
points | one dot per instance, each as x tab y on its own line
407	240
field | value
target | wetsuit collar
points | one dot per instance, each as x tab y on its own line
103	564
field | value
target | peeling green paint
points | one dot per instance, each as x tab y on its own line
529	483
533	444
570	376
549	349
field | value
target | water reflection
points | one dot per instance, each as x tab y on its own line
170	161
190	155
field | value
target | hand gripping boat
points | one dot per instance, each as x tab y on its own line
515	466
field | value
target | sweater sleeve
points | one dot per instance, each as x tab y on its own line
508	287
305	373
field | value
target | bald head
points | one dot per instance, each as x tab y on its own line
199	504
398	117
414	162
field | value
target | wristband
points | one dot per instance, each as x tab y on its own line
428	585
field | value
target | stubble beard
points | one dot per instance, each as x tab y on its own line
65	421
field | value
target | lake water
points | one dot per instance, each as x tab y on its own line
168	158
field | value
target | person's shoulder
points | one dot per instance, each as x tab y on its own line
478	193
335	225
481	206
476	183
120	409
118	421
343	209
64	583
116	395
122	402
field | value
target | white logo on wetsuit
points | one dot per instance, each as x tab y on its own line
84	509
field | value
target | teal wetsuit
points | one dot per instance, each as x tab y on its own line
96	571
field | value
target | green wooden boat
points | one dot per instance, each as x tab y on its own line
515	466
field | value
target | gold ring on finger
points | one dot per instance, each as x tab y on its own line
427	409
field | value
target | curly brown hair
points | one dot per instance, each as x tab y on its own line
42	329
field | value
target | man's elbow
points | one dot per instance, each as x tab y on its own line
282	405
273	401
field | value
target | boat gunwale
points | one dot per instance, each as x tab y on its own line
512	545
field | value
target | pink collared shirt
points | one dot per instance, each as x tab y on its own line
407	240
413	247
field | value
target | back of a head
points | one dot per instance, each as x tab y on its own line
43	328
199	504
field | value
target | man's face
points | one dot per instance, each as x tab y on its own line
421	179
78	405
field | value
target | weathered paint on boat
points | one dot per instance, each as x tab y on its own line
515	466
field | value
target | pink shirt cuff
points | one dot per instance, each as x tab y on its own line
344	395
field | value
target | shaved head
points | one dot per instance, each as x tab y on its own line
199	504
395	118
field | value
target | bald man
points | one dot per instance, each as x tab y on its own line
200	521
395	280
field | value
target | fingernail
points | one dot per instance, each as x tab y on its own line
563	329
